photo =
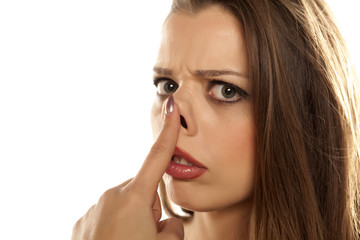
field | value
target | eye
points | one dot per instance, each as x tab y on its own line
165	86
226	92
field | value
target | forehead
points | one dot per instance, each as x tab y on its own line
209	18
206	39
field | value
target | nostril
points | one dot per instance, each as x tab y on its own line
183	122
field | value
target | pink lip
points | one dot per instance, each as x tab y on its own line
180	171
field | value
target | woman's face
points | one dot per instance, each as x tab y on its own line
203	63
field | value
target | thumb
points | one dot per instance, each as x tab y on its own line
171	229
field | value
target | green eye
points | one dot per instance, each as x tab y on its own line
226	92
165	86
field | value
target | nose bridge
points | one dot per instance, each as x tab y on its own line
185	100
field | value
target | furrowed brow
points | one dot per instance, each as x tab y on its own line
215	73
202	73
162	71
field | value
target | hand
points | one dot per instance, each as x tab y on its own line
132	210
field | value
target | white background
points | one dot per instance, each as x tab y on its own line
75	98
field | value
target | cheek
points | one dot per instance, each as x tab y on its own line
232	139
236	156
233	160
238	143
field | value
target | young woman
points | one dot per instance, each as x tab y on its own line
257	130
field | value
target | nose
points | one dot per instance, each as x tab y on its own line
187	112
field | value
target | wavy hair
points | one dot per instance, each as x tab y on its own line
306	105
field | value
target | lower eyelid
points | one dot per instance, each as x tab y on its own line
225	102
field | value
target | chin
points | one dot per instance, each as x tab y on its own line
198	197
187	194
194	205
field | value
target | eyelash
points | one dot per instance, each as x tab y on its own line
243	94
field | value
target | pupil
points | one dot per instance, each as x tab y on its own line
228	92
170	87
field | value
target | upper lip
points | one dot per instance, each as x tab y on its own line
180	152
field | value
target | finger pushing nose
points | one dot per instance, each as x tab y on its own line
186	105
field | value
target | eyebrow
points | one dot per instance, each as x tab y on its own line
215	73
162	71
202	73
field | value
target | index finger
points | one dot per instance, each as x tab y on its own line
157	161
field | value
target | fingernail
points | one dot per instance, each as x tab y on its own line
170	105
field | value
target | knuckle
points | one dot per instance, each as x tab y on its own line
116	192
108	196
120	196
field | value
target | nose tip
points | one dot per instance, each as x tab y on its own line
183	122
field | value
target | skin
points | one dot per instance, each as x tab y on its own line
219	135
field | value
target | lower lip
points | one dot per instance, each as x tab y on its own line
183	171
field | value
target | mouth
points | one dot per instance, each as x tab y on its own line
184	166
181	161
183	158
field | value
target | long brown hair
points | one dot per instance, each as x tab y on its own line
306	104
